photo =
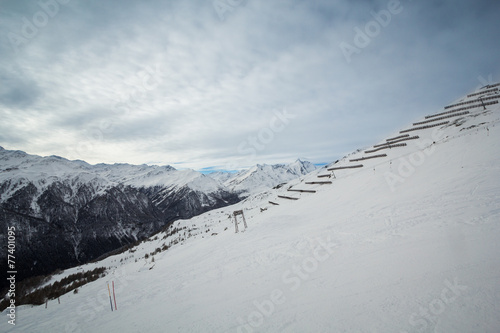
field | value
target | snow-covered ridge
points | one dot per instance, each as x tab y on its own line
18	167
262	177
42	171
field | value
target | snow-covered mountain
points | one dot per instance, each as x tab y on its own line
76	211
398	237
263	177
67	212
221	176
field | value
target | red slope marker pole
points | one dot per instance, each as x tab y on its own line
110	302
114	297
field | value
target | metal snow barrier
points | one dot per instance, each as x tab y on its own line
490	86
302	191
480	93
406	138
385	147
367	157
441	118
398	137
424	127
345	167
466	108
325	176
286	197
235	215
326	182
473	101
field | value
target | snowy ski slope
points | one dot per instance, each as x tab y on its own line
409	242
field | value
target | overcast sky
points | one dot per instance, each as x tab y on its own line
227	84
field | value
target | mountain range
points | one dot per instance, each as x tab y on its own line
70	212
262	177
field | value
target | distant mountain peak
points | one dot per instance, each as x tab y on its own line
261	177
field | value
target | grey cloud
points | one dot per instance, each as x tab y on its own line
17	90
17	94
218	82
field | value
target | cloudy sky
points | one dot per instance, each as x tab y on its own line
227	84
